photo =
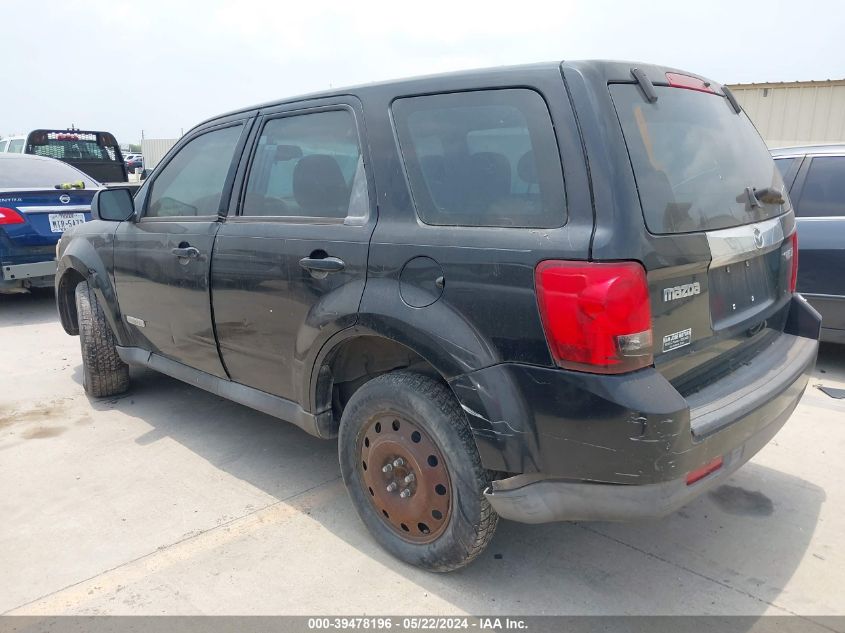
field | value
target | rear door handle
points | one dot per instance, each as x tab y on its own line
325	265
190	252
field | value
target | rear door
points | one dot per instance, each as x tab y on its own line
717	221
162	260
288	271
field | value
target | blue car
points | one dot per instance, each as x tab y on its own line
40	198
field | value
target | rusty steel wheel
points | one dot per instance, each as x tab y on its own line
409	461
406	478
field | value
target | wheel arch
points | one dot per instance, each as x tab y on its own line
354	356
66	299
81	262
357	354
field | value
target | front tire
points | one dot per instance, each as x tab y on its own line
412	469
103	373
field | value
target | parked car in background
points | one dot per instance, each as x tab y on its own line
40	198
815	177
134	163
487	324
13	144
95	153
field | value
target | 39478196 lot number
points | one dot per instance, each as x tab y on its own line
61	222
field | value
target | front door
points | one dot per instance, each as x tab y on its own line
162	260
289	270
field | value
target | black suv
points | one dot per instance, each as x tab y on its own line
548	292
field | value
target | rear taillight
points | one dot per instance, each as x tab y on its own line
793	273
10	216
596	316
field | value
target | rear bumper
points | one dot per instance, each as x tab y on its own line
592	447
527	499
832	309
37	274
13	272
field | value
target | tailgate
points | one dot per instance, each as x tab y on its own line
719	221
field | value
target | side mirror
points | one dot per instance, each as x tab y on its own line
113	205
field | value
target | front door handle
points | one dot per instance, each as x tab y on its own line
322	265
189	252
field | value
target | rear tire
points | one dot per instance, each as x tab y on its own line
441	520
103	373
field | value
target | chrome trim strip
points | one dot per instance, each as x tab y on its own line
819	218
814	295
738	243
64	208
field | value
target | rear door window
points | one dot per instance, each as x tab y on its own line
16	145
308	165
823	193
693	158
482	158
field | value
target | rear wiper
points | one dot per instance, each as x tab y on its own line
754	197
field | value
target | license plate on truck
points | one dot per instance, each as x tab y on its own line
61	222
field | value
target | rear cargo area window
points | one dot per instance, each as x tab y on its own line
693	158
823	194
482	158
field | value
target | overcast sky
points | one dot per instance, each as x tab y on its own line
163	66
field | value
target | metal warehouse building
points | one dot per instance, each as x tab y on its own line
796	112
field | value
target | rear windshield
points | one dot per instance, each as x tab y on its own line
30	173
74	147
693	158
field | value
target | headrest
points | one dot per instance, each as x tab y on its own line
526	169
319	187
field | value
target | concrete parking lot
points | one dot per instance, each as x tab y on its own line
172	500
